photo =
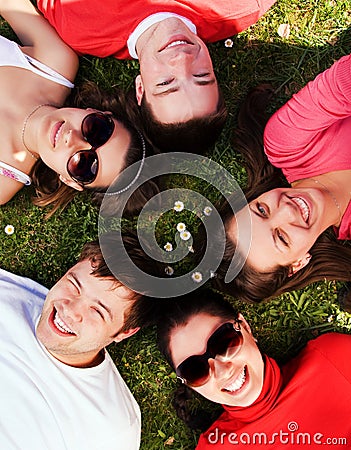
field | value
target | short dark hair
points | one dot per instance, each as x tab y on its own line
105	258
194	136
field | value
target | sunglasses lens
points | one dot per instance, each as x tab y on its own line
97	128
83	166
223	339
195	369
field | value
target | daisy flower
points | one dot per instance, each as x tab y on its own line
181	227
228	43
178	206
9	229
185	235
197	277
207	210
168	247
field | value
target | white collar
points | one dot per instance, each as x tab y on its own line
148	22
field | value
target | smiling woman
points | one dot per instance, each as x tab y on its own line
213	352
62	150
294	225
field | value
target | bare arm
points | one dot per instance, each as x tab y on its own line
39	37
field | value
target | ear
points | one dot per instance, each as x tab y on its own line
71	183
139	89
126	334
244	324
299	264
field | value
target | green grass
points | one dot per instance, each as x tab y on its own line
43	249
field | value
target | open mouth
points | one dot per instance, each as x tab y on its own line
176	41
56	133
238	384
61	325
303	207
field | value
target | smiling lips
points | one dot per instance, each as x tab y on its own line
238	383
56	132
61	325
303	207
175	41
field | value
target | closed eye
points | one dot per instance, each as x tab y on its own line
165	83
201	75
98	312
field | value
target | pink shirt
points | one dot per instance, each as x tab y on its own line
311	134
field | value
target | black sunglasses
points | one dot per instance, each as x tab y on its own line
195	370
97	128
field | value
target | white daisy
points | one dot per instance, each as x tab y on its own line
197	277
168	247
228	43
185	235
178	206
9	229
181	227
207	210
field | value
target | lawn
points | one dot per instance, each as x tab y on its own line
43	249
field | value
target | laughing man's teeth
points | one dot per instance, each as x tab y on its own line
305	211
238	382
61	325
173	44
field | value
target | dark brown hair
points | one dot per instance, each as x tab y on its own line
108	259
194	136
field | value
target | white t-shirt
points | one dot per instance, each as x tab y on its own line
47	405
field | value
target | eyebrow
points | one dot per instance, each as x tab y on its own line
106	308
176	88
99	302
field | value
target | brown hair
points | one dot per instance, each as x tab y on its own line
330	258
108	259
194	136
51	191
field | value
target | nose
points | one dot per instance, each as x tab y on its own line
285	213
183	57
74	139
72	308
219	366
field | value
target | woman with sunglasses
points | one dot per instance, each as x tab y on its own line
62	150
301	190
212	349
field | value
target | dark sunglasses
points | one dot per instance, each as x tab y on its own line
195	370
97	128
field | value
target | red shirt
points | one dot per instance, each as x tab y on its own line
305	404
101	28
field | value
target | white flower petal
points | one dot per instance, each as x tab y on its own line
284	30
181	227
185	235
168	247
197	277
9	229
178	206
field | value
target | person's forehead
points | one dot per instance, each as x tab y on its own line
191	338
